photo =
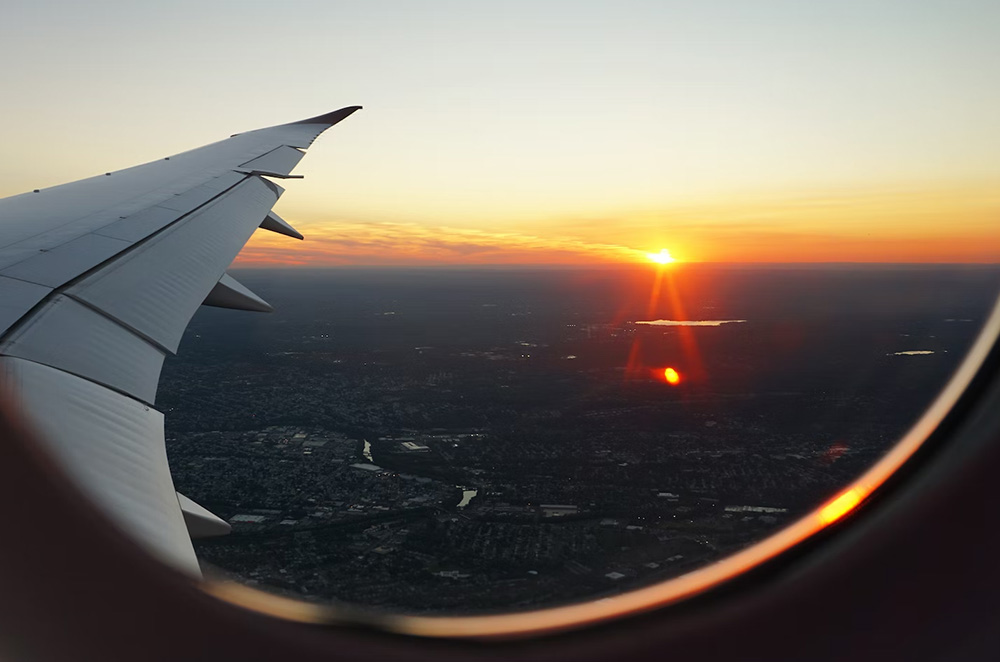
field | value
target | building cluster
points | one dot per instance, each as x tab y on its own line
475	479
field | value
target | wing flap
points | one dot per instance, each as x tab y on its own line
157	287
112	448
67	335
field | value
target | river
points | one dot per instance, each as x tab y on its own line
467	494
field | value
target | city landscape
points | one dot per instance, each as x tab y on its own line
463	441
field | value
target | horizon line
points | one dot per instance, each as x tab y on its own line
610	265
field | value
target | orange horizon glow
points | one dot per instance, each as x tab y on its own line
264	250
943	225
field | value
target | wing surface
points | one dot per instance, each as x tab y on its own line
98	280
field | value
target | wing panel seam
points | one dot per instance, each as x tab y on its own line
16	326
108	316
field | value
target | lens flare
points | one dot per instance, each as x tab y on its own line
672	376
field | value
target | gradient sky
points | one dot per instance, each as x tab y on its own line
545	131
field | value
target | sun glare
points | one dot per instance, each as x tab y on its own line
672	376
663	257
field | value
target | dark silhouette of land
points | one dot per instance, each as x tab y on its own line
522	446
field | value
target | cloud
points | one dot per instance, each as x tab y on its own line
933	225
347	242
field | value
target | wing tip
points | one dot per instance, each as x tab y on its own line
331	118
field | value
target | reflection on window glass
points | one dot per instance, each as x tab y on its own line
609	295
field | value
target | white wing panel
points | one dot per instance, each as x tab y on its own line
98	279
64	263
112	447
67	335
123	192
52	216
140	225
156	288
199	195
279	161
172	202
64	233
103	199
16	299
14	254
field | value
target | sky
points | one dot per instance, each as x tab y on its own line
544	131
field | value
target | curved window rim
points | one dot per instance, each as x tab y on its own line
779	545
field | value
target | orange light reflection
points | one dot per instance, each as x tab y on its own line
841	505
689	343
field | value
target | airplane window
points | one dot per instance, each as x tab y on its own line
770	249
596	308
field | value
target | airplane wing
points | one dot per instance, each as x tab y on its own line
98	280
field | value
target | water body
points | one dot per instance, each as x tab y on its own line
688	322
467	496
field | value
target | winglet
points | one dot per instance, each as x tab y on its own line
275	223
230	293
330	118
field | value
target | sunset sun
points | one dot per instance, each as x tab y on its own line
663	257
